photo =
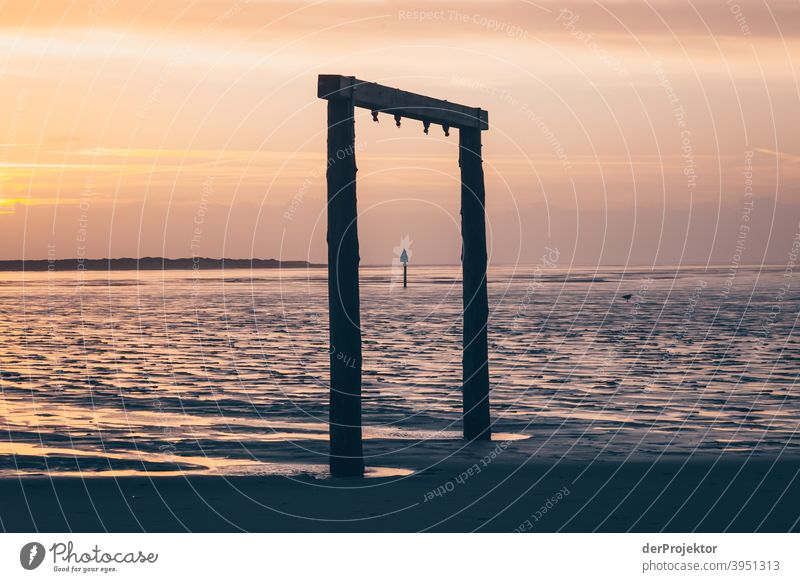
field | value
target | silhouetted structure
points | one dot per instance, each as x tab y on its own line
404	260
343	95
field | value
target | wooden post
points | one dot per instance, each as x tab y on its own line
476	304
346	454
405	278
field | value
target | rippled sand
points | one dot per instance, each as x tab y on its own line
226	372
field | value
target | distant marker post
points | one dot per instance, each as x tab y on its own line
404	260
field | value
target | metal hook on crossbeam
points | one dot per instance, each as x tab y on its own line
425	126
397	119
446	130
375	117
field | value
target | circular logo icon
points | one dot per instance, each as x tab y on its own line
31	555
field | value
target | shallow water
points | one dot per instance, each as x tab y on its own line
226	372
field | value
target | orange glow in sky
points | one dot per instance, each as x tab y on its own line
620	132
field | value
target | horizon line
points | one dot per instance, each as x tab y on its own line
311	264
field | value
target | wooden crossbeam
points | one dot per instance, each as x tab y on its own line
384	99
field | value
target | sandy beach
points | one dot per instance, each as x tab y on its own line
734	494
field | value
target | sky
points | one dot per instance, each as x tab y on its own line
620	133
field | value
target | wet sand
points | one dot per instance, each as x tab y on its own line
731	493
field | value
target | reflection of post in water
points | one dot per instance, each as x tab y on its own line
343	95
404	260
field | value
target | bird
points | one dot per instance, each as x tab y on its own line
627	297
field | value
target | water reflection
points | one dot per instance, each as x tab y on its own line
167	373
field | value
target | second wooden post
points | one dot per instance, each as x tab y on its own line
477	424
